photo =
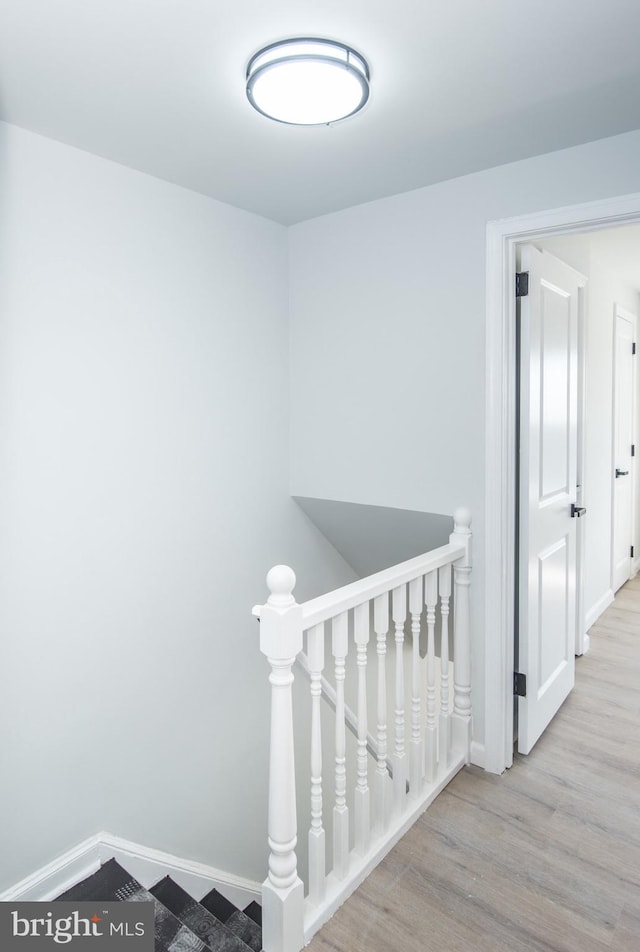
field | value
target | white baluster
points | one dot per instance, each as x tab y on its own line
444	733
340	646
282	891
399	614
431	735
317	855
362	804
416	752
381	627
461	718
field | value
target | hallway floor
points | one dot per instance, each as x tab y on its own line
546	857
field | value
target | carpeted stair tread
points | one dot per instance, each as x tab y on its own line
242	925
200	920
112	883
218	905
254	911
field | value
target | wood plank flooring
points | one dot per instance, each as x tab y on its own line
545	858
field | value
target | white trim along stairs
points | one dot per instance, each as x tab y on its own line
146	864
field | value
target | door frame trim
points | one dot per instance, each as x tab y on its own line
582	638
500	444
620	311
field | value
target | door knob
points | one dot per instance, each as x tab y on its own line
621	472
577	511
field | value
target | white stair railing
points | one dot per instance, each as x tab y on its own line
328	693
427	744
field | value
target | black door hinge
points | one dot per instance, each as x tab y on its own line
519	684
633	449
633	348
631	551
522	284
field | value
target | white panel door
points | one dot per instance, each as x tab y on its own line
622	441
547	489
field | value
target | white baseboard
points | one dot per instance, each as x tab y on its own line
596	610
60	874
145	864
477	754
635	567
148	866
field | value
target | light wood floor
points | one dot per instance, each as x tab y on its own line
546	857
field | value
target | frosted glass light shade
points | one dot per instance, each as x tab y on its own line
307	82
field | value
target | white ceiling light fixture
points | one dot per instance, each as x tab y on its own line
307	81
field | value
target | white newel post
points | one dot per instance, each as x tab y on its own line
461	719
282	890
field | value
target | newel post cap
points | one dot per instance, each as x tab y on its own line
462	520
281	617
281	582
461	534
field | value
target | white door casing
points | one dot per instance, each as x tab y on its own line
547	554
623	438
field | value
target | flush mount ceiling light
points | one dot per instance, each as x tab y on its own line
307	81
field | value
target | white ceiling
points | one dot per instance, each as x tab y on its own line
457	86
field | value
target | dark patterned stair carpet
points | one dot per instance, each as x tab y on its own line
181	923
254	911
196	917
238	922
113	883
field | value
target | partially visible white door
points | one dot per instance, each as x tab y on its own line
547	537
623	360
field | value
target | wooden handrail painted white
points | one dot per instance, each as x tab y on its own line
349	596
324	607
438	738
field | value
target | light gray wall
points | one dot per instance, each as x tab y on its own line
144	495
388	339
372	538
604	291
